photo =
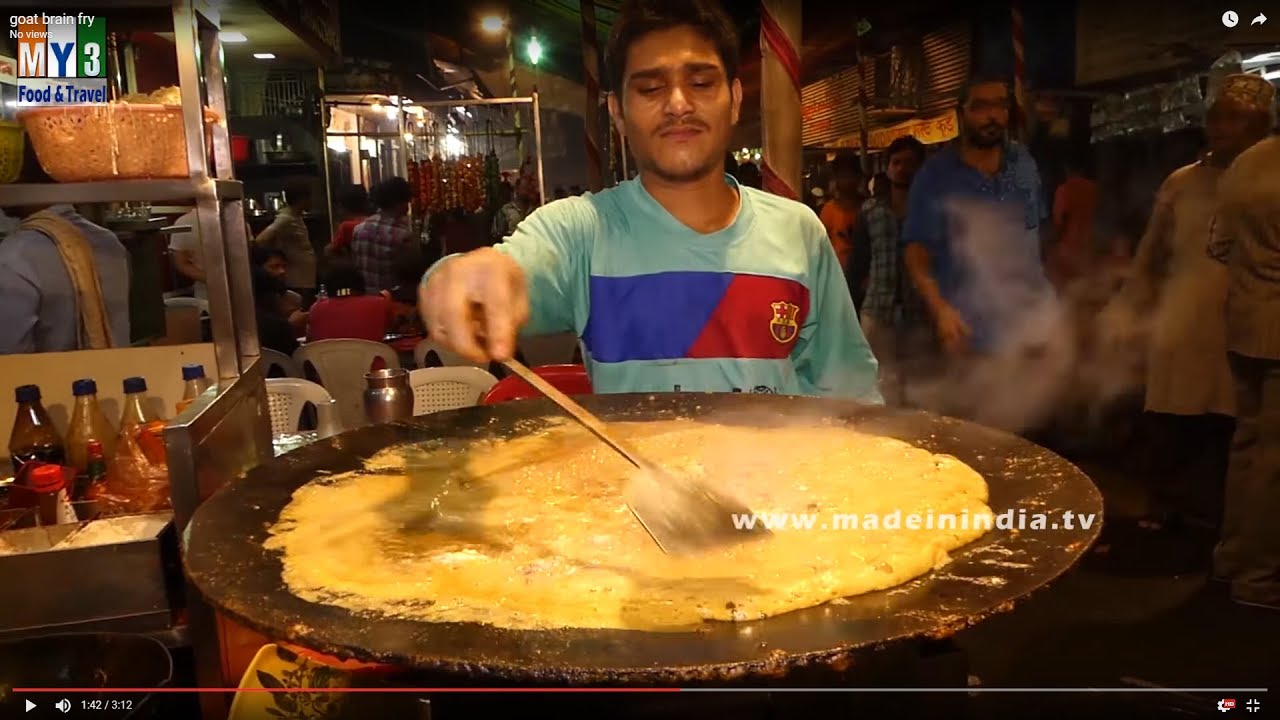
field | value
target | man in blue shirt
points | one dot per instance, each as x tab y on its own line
64	281
972	232
680	280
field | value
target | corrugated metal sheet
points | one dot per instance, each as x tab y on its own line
829	107
947	54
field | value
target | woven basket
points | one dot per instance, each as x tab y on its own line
11	144
116	141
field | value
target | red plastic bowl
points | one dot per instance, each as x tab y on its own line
568	379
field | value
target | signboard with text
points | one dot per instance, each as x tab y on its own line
62	58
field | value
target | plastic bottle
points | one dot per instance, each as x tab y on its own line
88	423
137	411
48	481
94	481
194	385
322	293
34	436
195	382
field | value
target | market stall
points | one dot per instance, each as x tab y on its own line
117	418
462	153
454	152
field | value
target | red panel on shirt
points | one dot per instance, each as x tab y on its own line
360	317
759	317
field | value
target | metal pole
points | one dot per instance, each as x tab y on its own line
537	142
1019	71
780	24
324	148
515	89
591	68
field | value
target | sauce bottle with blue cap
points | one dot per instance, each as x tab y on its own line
34	437
137	407
88	423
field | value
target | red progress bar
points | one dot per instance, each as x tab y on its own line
344	690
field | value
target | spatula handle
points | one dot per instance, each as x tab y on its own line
576	411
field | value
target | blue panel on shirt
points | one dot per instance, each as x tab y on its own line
677	306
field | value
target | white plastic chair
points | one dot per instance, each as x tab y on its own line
340	366
447	358
286	397
557	349
272	359
448	388
188	302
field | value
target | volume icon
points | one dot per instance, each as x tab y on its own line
64	705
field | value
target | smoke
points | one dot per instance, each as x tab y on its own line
1054	355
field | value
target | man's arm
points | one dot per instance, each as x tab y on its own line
268	235
861	238
185	262
832	356
20	300
924	234
551	248
1152	253
1060	211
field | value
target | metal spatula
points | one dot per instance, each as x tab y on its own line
681	515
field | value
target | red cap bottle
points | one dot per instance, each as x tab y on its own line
47	479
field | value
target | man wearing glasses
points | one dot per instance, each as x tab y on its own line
972	236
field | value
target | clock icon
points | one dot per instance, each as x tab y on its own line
1230	18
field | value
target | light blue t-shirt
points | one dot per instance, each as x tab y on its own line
760	306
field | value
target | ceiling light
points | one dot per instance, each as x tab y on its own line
265	56
492	24
232	36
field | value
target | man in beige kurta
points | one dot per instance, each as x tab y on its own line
1246	238
1176	295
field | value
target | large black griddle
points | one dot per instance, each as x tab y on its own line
226	560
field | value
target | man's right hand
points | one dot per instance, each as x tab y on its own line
475	304
953	331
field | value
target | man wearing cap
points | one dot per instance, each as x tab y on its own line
1246	237
1174	295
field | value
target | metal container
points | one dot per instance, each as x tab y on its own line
127	584
388	397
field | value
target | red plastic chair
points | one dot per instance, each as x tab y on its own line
568	379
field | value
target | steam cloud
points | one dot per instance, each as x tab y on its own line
1044	361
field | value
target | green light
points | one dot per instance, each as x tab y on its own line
535	51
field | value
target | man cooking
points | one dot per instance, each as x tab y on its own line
972	243
679	280
1246	236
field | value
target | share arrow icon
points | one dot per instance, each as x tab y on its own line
1259	20
30	706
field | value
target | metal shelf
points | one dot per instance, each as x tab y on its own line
20	194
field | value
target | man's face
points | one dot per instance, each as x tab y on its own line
902	167
676	106
849	184
275	267
985	115
1228	128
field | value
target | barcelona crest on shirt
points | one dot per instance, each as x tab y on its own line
783	326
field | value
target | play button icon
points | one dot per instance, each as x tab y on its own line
30	706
